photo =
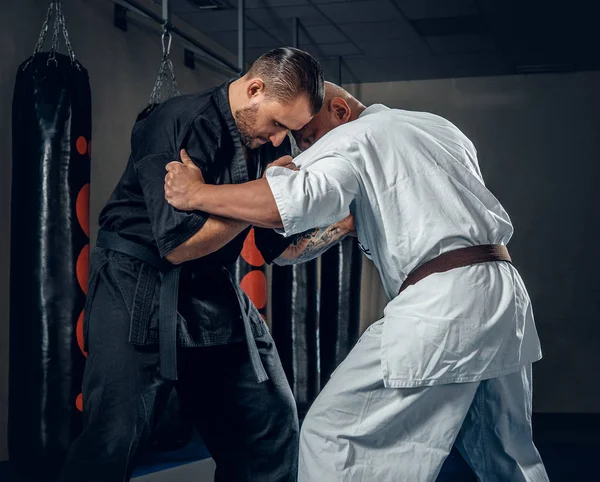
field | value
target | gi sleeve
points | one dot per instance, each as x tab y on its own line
270	243
316	196
171	227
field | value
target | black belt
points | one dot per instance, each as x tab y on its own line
169	291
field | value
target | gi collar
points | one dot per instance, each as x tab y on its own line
372	109
222	98
239	168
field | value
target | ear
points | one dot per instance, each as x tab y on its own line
256	87
341	110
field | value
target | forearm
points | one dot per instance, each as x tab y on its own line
252	202
215	234
312	244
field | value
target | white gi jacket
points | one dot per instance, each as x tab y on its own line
413	184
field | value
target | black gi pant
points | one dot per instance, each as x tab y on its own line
250	428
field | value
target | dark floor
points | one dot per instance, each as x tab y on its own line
569	445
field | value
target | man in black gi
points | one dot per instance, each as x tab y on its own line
163	310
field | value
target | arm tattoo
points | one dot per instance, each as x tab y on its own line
312	244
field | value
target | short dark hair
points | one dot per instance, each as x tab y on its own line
288	73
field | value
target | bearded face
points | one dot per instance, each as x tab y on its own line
246	121
265	120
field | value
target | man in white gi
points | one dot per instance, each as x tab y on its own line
450	362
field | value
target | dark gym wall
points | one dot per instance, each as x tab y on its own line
122	68
538	142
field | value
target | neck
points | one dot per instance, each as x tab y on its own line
357	110
236	94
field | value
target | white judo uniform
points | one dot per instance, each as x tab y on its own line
450	362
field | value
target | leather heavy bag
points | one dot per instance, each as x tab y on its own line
51	135
296	328
339	316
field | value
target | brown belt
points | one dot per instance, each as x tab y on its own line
457	258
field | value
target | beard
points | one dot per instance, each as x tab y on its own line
245	120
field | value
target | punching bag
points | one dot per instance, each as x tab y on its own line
250	267
51	134
339	316
295	307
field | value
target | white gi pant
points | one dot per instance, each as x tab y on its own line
359	430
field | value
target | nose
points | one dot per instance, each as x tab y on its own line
277	139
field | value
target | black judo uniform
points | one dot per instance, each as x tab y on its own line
151	327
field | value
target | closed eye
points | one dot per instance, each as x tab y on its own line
280	125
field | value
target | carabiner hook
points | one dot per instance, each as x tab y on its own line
166	47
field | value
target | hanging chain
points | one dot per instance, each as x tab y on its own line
59	26
40	43
155	97
175	87
61	19
166	72
55	45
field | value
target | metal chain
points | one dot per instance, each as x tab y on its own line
174	86
155	97
55	46
42	38
61	19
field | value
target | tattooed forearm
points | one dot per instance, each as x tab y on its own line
312	244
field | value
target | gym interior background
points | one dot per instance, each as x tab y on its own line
519	78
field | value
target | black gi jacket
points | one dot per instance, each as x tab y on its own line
208	307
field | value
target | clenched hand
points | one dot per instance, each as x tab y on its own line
285	161
182	181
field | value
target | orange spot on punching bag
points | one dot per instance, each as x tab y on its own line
254	281
254	285
83	264
250	252
79	333
81	145
82	208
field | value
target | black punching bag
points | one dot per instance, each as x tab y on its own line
339	316
295	330
51	133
